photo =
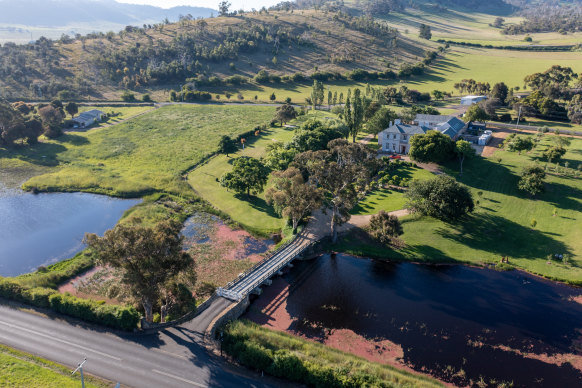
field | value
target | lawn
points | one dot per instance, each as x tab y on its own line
501	223
253	213
387	199
146	154
19	369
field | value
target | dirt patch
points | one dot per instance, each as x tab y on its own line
497	138
219	251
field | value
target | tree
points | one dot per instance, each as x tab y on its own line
292	197
476	113
385	227
329	99
554	153
431	147
285	113
354	113
223	8
279	155
226	145
128	96
248	175
381	120
272	97
532	180
52	119
317	94
341	172
441	197
438	95
520	143
500	91
150	259
425	32
464	149
72	109
574	108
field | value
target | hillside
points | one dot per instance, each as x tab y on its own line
52	18
164	55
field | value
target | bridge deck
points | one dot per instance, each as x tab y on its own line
264	270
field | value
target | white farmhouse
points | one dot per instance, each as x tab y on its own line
396	138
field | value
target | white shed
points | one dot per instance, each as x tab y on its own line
470	100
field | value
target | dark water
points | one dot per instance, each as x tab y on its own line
445	318
199	228
42	229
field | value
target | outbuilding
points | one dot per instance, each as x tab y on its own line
470	100
88	118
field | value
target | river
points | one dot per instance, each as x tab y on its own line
44	228
461	324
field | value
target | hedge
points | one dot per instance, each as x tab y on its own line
313	364
115	316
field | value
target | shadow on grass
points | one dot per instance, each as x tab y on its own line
494	234
257	204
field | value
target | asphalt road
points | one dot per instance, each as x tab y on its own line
170	358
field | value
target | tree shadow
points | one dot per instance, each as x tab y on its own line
41	154
503	237
258	204
73	139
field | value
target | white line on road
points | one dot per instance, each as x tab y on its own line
60	340
180	378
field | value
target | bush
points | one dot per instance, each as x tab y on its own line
119	317
127	96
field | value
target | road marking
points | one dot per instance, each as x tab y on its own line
180	378
170	353
60	340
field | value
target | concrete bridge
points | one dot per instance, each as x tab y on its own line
261	273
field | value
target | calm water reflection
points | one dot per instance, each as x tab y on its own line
45	228
473	319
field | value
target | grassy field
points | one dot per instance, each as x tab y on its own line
459	63
386	199
470	25
147	154
23	370
501	223
304	361
254	213
118	113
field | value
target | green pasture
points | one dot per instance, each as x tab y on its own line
23	370
501	223
251	212
484	65
117	113
149	153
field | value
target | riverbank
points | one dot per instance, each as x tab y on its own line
457	323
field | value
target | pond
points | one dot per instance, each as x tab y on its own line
44	228
464	325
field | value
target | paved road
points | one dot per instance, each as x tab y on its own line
171	358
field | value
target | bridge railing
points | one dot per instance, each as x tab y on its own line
254	267
276	269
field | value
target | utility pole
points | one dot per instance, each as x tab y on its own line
80	369
518	117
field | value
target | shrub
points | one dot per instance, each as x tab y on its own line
119	317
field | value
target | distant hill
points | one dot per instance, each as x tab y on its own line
212	50
57	13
